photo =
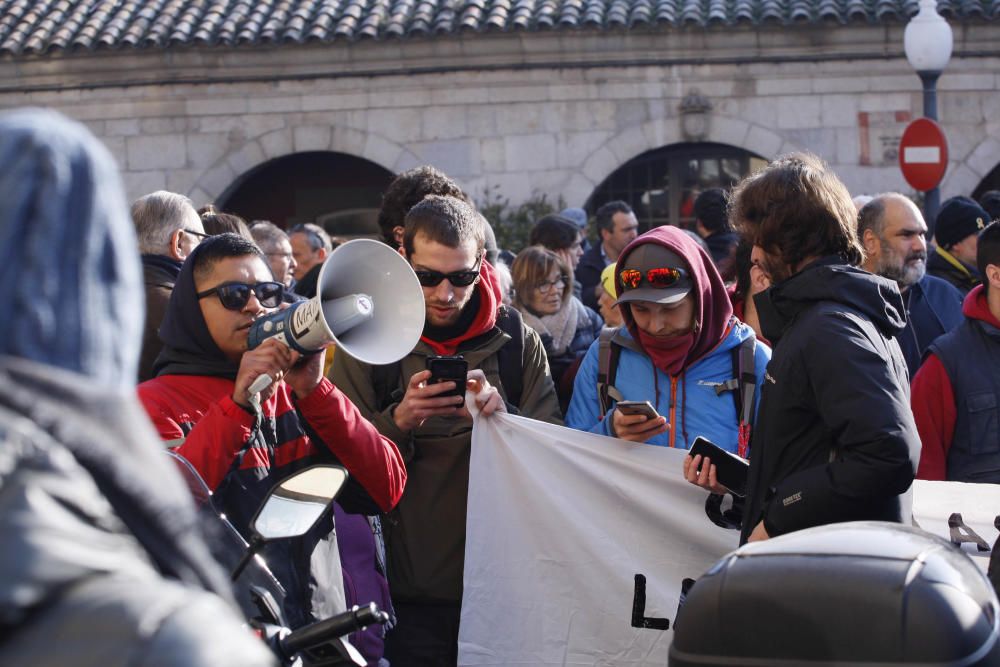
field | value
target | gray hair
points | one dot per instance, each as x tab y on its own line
872	215
157	216
267	235
316	236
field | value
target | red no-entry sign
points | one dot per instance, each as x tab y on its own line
923	154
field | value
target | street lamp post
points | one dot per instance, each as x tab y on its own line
928	42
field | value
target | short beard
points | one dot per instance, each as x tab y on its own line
904	274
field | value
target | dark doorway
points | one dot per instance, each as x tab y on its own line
311	187
661	185
991	182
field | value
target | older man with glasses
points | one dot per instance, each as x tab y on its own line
242	444
274	242
311	245
444	241
169	228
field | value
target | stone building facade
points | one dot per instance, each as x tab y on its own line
524	112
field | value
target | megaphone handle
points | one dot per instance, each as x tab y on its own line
260	384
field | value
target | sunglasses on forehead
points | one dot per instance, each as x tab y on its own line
235	296
658	278
464	278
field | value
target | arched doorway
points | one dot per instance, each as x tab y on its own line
339	191
661	185
991	182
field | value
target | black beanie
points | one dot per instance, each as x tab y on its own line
959	218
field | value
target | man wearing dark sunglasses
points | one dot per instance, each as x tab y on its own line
169	228
444	241
242	446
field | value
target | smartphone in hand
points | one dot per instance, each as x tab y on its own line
637	408
449	368
731	471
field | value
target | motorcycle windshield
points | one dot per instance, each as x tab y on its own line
196	485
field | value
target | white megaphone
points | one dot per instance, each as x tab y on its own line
368	303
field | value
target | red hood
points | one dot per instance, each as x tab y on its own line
712	309
975	306
489	306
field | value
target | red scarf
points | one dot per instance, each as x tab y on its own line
486	318
668	354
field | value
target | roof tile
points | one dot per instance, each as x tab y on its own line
44	26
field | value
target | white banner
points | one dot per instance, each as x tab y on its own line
560	522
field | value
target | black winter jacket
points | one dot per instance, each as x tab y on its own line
835	439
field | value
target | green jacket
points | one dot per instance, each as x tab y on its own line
425	534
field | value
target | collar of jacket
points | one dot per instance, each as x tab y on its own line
954	261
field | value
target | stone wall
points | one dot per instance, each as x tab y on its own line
558	129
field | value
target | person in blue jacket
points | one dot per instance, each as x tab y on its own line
678	347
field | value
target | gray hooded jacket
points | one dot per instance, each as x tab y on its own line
102	563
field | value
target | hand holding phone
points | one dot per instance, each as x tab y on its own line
731	471
449	369
636	421
637	408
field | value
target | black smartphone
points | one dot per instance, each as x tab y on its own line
730	470
449	369
637	408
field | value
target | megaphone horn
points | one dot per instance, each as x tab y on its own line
368	302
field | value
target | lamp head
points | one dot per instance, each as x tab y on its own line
928	39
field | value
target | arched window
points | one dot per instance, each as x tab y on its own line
991	182
339	191
661	185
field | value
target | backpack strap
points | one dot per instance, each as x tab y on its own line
744	388
609	348
510	357
386	383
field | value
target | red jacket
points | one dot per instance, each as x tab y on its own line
933	399
201	409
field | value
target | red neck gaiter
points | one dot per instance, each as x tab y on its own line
668	354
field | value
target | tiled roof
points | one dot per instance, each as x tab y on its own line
44	26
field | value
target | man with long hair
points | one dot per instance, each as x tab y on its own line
835	438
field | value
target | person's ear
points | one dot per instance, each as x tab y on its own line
993	275
759	279
872	244
323	254
402	251
397	236
175	251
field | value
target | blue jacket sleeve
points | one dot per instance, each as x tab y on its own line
584	408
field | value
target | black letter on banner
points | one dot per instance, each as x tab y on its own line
639	619
962	533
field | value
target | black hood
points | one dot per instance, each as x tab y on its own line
830	279
188	347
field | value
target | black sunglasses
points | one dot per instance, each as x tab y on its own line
456	278
234	296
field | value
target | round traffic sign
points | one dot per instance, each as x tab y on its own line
923	154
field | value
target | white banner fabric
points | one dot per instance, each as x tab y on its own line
560	522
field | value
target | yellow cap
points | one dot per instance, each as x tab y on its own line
608	280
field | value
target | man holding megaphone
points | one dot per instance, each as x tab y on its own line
243	443
444	242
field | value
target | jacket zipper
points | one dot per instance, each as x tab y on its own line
673	411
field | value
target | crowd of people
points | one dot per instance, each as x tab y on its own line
786	327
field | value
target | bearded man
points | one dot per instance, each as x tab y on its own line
893	233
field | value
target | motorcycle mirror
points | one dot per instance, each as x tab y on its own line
294	506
